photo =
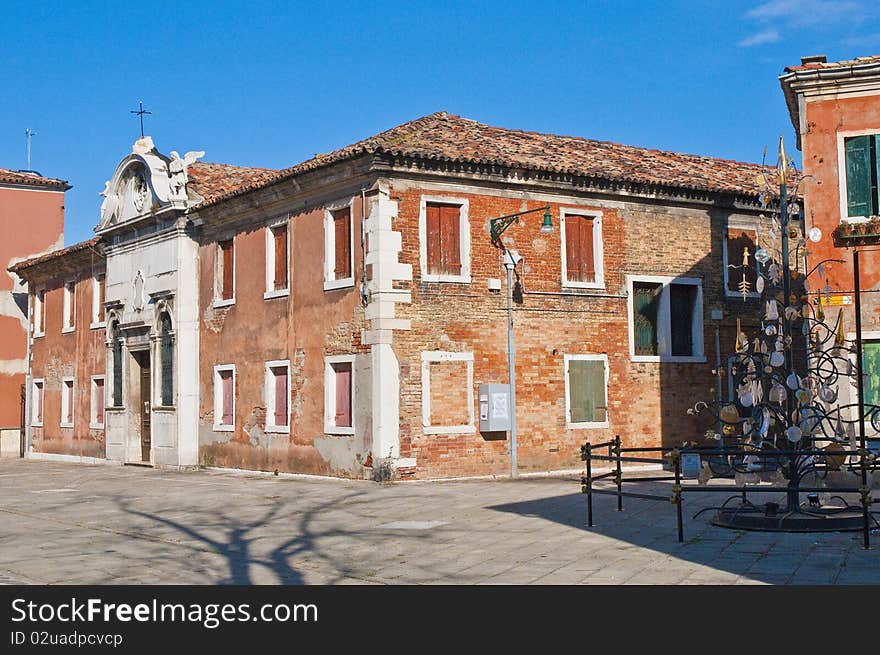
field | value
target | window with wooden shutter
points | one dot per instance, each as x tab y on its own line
69	313
862	163
342	383
587	395
67	402
279	242
682	300
646	307
281	391
98	300
116	354
342	243
166	360
98	410
226	273
871	370
227	392
579	248
740	239
443	238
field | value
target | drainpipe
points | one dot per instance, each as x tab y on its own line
364	299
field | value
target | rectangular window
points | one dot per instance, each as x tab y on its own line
443	224
666	319
444	239
226	271
338	257
862	155
98	294
447	392
37	403
339	395
277	261
97	413
738	240
67	402
277	395
224	397
586	391
39	312
69	312
582	255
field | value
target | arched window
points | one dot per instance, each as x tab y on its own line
166	358
116	354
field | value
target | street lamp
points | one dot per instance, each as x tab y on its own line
497	227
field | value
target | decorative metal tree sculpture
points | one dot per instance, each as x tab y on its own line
787	415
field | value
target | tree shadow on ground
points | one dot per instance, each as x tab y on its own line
224	534
764	556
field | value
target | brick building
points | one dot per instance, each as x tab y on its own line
31	223
835	110
341	313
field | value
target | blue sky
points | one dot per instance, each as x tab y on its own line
272	83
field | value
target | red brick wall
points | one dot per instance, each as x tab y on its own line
647	401
56	355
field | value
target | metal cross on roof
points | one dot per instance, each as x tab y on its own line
140	112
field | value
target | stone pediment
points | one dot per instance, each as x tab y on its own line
146	182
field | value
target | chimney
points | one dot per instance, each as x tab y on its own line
814	59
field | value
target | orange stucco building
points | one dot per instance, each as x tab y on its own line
31	223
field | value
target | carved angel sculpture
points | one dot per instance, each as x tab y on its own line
177	170
108	207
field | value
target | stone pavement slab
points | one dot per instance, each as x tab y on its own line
90	524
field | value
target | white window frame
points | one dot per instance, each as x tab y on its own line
65	402
269	390
94	425
584	424
737	224
330	426
664	325
219	301
841	172
39	313
464	235
429	356
271	291
598	250
218	398
330	280
95	303
68	314
34	392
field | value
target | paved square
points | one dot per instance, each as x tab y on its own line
77	524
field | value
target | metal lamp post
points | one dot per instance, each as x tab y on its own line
497	227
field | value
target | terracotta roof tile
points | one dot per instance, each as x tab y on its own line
55	254
846	63
453	138
30	178
214	180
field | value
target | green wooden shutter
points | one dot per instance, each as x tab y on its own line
646	300
875	177
858	176
586	390
871	370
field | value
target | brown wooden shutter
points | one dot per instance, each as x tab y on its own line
280	236
101	291
280	375
588	266
343	394
432	234
228	264
573	248
226	380
450	239
99	401
342	239
39	402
